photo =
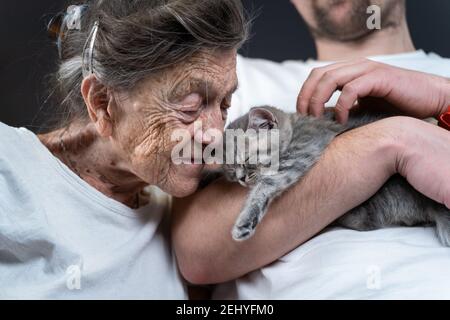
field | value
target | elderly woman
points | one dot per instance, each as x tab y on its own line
74	220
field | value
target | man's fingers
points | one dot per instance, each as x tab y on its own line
333	80
311	82
351	92
328	74
308	89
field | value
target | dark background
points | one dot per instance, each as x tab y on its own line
27	55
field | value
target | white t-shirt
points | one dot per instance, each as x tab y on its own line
339	263
62	239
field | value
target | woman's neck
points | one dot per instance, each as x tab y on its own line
91	157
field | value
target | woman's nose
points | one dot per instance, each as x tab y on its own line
211	125
213	118
203	136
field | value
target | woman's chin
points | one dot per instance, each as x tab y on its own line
185	181
184	189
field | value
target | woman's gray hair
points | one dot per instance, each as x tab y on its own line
138	38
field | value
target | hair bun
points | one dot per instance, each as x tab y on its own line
63	21
54	26
74	15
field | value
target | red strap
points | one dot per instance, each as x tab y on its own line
444	120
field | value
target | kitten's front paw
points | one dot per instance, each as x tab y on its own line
241	233
244	230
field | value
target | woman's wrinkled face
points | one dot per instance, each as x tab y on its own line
199	91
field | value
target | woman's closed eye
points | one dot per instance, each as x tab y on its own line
191	106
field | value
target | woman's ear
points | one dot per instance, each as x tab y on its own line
96	98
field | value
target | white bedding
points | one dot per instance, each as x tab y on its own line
394	263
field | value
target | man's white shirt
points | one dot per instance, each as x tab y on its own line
264	82
392	263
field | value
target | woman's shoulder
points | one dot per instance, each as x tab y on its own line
5	129
15	143
8	135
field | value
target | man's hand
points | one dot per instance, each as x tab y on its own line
423	158
411	93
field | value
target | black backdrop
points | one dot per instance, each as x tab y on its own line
26	54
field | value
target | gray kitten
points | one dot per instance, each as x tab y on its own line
302	142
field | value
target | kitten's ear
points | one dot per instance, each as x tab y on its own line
261	118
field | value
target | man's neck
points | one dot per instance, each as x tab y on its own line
383	42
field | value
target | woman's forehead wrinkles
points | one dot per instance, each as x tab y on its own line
207	61
206	74
213	63
189	84
201	82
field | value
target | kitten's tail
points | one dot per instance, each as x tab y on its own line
442	219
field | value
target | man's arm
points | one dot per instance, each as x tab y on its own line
352	169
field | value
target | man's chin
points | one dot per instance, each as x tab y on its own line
341	20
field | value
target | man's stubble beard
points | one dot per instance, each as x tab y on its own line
355	27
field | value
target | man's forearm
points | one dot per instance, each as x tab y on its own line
352	169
